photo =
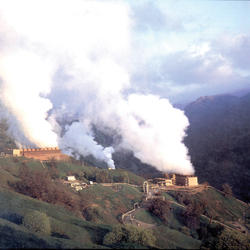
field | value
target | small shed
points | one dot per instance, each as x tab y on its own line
71	178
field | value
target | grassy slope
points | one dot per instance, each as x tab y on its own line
170	235
64	224
73	232
13	164
112	201
69	231
175	234
222	207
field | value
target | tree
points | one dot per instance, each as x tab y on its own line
192	214
230	240
160	209
39	185
221	238
103	177
53	171
129	235
37	222
226	188
117	235
93	214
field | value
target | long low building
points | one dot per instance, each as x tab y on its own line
42	154
182	180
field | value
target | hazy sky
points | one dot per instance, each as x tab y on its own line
180	49
185	49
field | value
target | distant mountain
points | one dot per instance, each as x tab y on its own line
218	139
241	92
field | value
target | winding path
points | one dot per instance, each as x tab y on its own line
129	219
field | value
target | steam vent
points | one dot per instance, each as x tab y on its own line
42	154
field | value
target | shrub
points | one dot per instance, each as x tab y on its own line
39	185
129	235
206	184
227	190
147	238
230	240
117	235
103	177
160	209
93	214
225	239
192	214
185	230
37	222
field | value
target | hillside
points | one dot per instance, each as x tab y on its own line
219	141
86	218
83	219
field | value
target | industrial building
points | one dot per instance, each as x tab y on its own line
42	154
176	179
186	180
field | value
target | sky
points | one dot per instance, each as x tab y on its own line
116	64
186	49
177	49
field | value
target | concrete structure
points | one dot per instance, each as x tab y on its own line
71	178
72	182
42	154
186	180
145	187
175	179
16	152
162	181
171	177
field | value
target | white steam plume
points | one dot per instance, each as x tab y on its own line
74	57
79	141
25	78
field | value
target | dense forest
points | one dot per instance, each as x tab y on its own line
218	139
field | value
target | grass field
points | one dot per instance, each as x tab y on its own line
103	210
145	216
111	202
65	226
173	239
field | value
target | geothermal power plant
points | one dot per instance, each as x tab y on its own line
49	153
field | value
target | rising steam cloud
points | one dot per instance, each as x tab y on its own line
65	58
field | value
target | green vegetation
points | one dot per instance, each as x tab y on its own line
129	236
145	216
67	230
37	222
225	239
161	209
38	210
174	239
216	204
218	141
90	173
108	203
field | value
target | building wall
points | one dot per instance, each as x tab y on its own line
42	154
168	183
192	181
17	152
181	180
